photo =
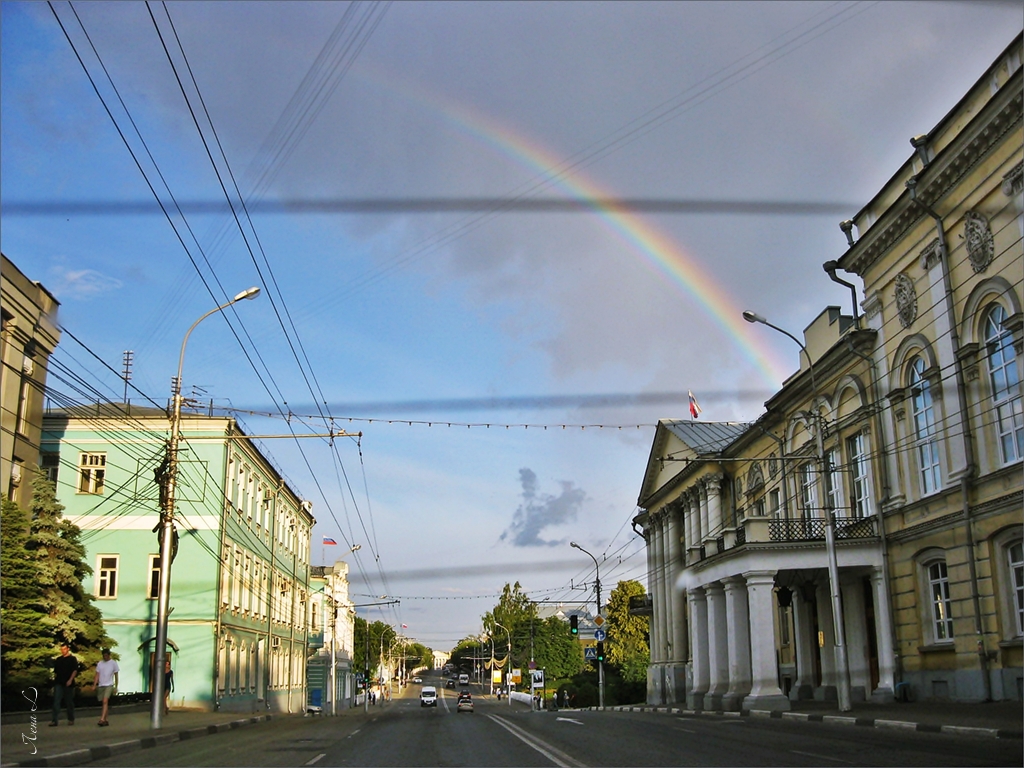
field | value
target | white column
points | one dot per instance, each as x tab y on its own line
703	533
714	487
806	647
883	638
665	550
738	620
693	529
764	690
699	643
652	678
718	646
658	614
680	652
855	622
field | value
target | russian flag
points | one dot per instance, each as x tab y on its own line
328	541
694	408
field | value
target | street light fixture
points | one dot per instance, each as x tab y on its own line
839	630
167	520
600	662
508	674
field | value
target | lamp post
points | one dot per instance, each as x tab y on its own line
600	662
508	659
334	642
166	525
838	628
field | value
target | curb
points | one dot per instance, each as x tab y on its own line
807	717
88	754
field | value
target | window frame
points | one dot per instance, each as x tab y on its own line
1005	395
103	581
861	497
92	477
925	433
939	630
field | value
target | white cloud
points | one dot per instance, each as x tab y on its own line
81	284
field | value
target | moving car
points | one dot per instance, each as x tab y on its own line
417	679
465	702
463	679
428	696
449	683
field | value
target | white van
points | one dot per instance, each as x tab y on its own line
463	679
428	696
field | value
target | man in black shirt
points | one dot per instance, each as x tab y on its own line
65	670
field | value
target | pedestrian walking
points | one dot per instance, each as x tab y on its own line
107	673
65	670
168	686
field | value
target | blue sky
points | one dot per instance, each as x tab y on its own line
466	100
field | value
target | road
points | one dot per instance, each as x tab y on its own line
404	734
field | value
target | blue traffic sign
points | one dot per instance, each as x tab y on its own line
600	634
590	652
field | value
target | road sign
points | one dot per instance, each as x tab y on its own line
590	653
600	634
599	620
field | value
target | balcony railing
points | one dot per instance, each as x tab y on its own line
813	529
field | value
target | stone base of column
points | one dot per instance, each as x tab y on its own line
774	702
826	693
713	701
675	683
883	695
801	693
655	685
733	702
695	700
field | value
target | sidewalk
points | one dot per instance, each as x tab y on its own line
26	743
1002	719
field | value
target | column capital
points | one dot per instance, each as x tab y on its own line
760	578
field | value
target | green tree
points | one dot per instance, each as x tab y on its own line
24	650
517	614
369	639
628	647
55	547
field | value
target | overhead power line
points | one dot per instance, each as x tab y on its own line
391	205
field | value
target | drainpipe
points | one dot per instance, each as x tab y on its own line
220	583
968	439
830	268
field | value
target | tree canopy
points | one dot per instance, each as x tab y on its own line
628	647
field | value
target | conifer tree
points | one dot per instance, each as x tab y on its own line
24	649
55	549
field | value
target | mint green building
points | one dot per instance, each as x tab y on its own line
238	632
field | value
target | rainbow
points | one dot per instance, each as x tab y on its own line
659	253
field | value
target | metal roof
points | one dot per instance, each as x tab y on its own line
706	437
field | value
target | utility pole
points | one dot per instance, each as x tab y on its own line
600	661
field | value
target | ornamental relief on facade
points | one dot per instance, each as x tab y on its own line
906	300
978	238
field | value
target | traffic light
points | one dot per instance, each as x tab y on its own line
574	625
600	650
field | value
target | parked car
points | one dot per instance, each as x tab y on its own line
428	696
465	702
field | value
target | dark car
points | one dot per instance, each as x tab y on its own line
449	683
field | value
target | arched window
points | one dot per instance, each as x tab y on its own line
924	428
1002	373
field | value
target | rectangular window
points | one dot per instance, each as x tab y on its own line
236	590
92	469
759	507
49	463
774	505
1015	559
809	491
938	589
23	414
154	577
106	576
834	487
860	481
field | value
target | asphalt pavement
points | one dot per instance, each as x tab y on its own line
27	743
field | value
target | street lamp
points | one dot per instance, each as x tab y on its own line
508	673
167	520
843	671
600	662
334	641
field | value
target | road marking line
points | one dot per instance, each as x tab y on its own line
357	730
684	730
820	757
556	756
317	759
569	720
